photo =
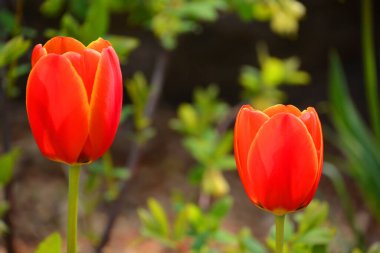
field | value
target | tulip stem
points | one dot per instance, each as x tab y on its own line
74	173
280	233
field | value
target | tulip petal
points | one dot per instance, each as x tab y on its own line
57	108
313	124
282	163
99	44
105	105
271	111
86	64
248	123
38	52
61	45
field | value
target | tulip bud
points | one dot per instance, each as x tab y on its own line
279	155
74	99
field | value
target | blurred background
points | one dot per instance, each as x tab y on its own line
169	183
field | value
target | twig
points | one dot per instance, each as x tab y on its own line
134	157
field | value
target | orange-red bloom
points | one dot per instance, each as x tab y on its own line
74	98
279	155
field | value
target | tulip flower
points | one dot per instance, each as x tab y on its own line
74	99
279	155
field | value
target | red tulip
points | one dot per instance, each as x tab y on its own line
279	155
74	98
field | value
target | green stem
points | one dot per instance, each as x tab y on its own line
280	233
369	63
74	173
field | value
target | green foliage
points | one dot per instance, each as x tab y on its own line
354	139
284	15
312	233
244	242
168	19
193	228
139	93
95	24
52	7
51	244
177	17
96	15
7	164
7	23
207	110
155	222
211	149
201	230
12	50
261	86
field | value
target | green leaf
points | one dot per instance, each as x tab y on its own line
313	216
194	214
249	243
51	244
121	173
79	8
12	50
7	23
180	225
226	163
273	72
52	7
221	207
225	237
188	118
196	174
225	144
70	27
7	164
159	216
19	70
317	236
355	140
96	23
200	241
147	220
205	11
250	78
